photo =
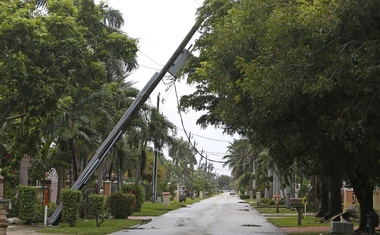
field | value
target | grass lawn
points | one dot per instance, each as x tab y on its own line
292	221
272	211
156	209
289	218
88	226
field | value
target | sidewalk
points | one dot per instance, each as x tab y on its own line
26	229
33	229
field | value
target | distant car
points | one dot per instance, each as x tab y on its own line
232	192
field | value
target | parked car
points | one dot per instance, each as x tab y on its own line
232	192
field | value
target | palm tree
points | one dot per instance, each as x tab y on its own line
157	129
47	158
183	157
76	131
241	158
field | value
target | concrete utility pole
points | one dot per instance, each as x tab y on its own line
155	163
176	61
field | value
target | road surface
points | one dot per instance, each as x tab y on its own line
219	215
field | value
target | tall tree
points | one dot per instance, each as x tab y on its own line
299	76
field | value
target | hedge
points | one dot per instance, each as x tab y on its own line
97	204
121	204
27	204
138	191
71	201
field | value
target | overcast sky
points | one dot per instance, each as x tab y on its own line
160	26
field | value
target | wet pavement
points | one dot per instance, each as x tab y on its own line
220	215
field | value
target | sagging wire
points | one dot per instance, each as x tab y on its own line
187	135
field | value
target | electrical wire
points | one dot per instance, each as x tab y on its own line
151	58
208	138
187	135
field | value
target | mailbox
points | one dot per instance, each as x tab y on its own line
296	202
277	199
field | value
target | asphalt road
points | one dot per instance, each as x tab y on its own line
220	215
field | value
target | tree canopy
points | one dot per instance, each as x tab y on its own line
300	78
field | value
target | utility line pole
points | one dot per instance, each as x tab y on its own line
155	163
172	67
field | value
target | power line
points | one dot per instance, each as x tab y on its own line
147	67
187	135
151	59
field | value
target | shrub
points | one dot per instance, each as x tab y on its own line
71	201
244	196
268	201
121	204
265	200
27	204
91	188
148	189
282	202
97	204
138	191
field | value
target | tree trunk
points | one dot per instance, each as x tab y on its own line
61	171
335	203
335	198
324	201
100	178
119	171
364	193
74	175
140	166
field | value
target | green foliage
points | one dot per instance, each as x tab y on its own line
272	203
71	202
97	205
268	201
148	189
91	188
45	56
304	189
244	196
27	204
139	192
299	79
121	205
224	182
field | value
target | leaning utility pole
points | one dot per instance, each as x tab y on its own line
174	64
155	163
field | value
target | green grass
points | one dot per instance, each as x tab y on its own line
272	210
292	221
156	209
88	227
289	218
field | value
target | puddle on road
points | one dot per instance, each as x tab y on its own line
251	225
181	222
243	210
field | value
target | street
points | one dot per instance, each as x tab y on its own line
220	215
